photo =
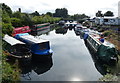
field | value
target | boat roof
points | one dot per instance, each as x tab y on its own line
12	41
97	36
32	38
74	22
18	28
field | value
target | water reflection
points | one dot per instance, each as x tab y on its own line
72	61
39	66
61	31
37	33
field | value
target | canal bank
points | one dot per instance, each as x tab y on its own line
71	60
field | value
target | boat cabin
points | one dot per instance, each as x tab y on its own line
37	46
15	48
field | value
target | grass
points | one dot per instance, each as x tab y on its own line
10	73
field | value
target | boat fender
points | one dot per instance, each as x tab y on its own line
102	40
85	36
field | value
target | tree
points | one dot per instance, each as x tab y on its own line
79	16
7	9
7	28
17	15
16	22
5	17
26	20
35	13
108	13
63	12
99	14
49	13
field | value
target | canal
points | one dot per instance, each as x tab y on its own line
70	61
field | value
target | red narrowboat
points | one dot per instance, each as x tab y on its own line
18	30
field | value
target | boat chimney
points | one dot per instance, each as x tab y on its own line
19	10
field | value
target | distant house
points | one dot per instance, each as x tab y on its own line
118	20
107	20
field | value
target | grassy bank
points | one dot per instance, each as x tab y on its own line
10	73
113	37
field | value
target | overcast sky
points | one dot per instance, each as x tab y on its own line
89	7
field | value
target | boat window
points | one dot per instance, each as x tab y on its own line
96	45
27	28
23	29
106	20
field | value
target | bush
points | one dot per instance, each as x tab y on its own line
7	28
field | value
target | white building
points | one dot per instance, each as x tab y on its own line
107	20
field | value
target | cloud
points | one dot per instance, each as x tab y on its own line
89	7
45	4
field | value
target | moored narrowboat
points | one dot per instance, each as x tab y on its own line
103	49
37	46
18	30
15	48
70	24
39	27
77	29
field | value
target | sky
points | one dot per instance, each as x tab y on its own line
88	7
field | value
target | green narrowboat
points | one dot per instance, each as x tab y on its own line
105	51
36	29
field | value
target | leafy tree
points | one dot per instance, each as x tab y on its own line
7	28
99	14
7	9
5	17
44	19
49	13
63	12
108	13
26	20
79	16
16	22
17	15
35	13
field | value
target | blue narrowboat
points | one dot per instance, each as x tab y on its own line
37	46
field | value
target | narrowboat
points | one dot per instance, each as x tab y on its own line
40	27
103	49
70	24
18	30
15	48
61	23
77	29
81	30
37	45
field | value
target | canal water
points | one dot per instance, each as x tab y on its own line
70	61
